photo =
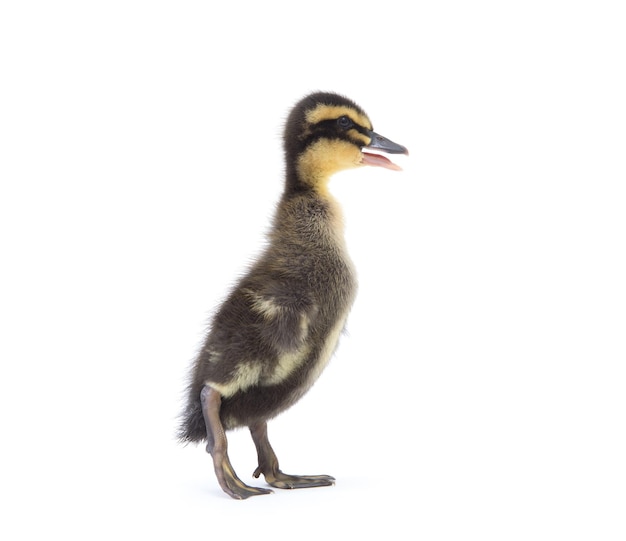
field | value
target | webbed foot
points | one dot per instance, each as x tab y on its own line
279	479
268	465
232	485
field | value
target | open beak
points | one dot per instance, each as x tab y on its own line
385	145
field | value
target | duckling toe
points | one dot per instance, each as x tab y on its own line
245	491
235	487
283	480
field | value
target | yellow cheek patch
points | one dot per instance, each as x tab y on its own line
326	157
331	112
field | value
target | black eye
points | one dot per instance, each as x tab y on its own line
344	122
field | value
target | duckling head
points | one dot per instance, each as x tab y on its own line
326	133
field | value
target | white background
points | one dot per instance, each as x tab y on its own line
480	392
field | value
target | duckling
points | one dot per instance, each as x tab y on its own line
276	331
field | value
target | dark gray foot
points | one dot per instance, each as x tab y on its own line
279	479
268	465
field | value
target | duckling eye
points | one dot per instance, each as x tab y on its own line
344	122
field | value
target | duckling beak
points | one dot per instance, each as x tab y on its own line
382	143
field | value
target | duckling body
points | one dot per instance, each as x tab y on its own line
274	334
276	331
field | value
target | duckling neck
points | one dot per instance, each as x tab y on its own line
310	211
312	181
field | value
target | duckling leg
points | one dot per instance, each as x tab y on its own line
268	465
217	447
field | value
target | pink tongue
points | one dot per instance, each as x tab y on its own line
379	161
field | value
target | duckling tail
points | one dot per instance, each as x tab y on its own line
192	428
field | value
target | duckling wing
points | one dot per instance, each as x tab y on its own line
286	312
